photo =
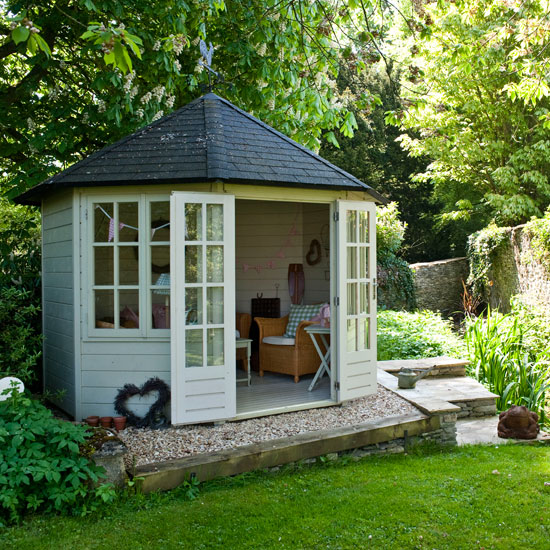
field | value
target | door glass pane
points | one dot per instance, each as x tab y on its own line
364	262
193	222
364	298
351	335
160	261
363	335
160	221
128	303
352	262
215	347
103	213
352	299
193	264
193	348
214	306
128	221
193	306
214	263
104	307
351	223
160	304
214	222
363	227
128	264
103	265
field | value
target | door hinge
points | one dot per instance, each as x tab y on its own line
336	301
374	289
337	385
336	216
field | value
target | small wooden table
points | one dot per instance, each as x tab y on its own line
324	367
245	343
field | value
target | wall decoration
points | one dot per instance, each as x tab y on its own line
313	256
155	415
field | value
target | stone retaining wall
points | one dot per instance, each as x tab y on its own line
438	285
515	271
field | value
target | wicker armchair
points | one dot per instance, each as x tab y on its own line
244	320
296	360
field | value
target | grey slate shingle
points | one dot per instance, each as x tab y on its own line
210	139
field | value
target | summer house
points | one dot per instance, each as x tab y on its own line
155	245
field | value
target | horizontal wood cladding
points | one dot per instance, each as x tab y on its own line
58	298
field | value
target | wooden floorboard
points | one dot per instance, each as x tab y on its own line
273	391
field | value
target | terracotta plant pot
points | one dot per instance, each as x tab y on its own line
119	423
92	421
106	421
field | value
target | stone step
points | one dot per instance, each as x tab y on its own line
472	398
472	431
443	365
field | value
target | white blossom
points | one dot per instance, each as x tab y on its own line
101	106
196	41
140	113
276	16
158	115
170	101
121	26
271	104
177	64
62	64
178	43
156	46
32	148
146	98
134	92
198	68
158	92
262	49
281	55
30	124
128	82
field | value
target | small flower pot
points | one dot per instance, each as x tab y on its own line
106	421
92	421
119	423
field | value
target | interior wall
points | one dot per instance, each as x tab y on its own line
270	235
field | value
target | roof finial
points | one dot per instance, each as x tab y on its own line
206	62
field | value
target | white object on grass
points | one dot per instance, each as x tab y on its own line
7	384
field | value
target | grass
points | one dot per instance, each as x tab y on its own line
424	500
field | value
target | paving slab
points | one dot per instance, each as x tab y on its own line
443	365
473	431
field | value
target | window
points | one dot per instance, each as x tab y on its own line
130	266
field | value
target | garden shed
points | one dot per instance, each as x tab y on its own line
153	245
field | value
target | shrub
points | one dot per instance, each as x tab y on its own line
508	357
395	278
404	335
41	467
20	342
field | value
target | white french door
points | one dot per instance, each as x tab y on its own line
202	251
356	287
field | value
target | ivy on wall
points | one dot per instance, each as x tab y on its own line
483	247
538	229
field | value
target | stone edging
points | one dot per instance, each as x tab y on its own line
385	435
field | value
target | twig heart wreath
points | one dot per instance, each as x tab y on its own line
154	413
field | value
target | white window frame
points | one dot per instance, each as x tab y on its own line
145	282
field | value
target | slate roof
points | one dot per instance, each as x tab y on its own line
210	139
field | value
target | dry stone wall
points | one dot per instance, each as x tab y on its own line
515	271
438	285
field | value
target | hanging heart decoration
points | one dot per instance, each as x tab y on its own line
313	257
155	415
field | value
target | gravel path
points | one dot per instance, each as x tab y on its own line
159	445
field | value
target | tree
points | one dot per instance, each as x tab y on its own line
478	99
374	156
78	74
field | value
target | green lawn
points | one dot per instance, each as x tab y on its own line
431	499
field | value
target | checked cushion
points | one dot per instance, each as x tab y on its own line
298	314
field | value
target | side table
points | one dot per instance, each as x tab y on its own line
324	367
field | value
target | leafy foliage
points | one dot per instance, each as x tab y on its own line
482	247
40	463
20	339
479	102
504	359
539	231
395	279
79	74
404	335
